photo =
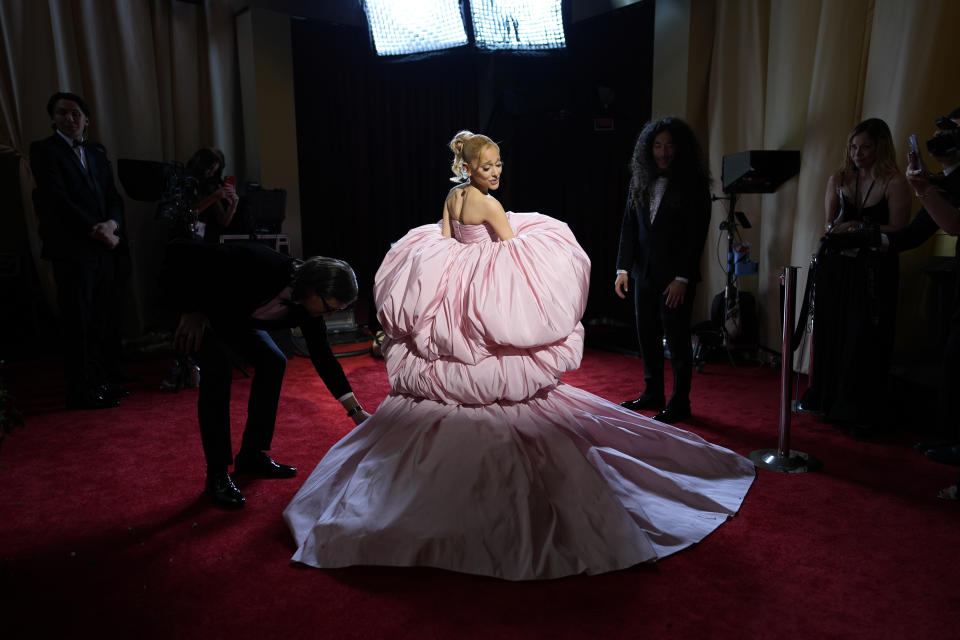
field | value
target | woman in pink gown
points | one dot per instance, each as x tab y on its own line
480	460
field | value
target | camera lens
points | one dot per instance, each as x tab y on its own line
946	123
944	144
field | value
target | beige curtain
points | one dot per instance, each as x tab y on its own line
800	75
161	80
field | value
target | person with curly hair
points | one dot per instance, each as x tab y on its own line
664	228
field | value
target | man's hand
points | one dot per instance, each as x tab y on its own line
106	233
917	174
621	286
675	293
229	192
360	416
189	332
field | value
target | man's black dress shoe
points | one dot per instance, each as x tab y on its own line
112	391
644	401
223	492
946	454
91	400
672	414
926	445
260	464
122	377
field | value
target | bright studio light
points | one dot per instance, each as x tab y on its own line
518	24
414	26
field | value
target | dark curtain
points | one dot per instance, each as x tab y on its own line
372	143
373	132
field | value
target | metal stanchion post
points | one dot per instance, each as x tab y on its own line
782	458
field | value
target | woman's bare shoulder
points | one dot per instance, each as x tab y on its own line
491	204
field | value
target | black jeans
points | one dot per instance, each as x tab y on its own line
949	410
222	348
654	321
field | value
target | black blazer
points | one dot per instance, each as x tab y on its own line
70	200
228	282
672	245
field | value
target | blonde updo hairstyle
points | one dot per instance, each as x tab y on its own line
467	147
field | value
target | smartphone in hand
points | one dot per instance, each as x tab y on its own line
913	157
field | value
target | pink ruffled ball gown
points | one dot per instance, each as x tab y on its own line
480	460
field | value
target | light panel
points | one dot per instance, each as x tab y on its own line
518	24
414	26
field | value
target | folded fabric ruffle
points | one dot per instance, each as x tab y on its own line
486	321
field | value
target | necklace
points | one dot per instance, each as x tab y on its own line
862	203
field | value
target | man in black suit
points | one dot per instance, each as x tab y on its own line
80	213
940	195
661	239
228	295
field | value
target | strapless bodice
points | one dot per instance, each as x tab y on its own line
473	233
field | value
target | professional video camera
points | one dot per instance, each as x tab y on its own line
167	184
947	140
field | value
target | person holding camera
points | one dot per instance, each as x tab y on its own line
217	198
940	195
80	214
228	296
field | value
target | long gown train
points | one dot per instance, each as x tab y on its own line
480	460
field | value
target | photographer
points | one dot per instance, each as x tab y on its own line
217	199
940	195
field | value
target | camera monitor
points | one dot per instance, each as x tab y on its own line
263	210
758	171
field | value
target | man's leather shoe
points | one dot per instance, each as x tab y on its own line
112	391
122	377
669	415
223	492
946	454
644	401
926	445
260	464
91	400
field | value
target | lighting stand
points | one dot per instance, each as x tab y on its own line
730	226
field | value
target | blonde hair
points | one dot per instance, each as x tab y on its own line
885	165
467	147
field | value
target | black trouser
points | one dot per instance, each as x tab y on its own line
949	409
217	357
85	295
654	321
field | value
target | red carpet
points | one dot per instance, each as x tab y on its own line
104	532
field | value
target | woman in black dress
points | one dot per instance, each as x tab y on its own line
856	288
